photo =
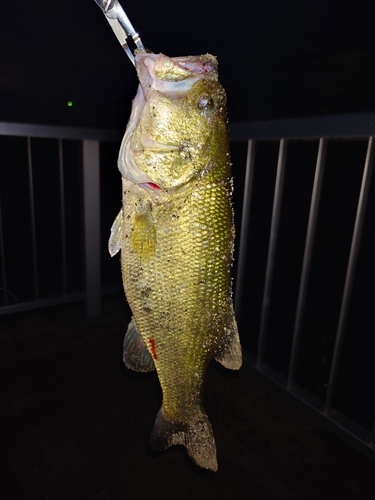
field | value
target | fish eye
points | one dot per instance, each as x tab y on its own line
205	102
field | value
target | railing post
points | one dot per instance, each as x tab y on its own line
62	219
353	257
3	284
240	277
271	257
305	275
32	220
91	193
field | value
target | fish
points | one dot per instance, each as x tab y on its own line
175	231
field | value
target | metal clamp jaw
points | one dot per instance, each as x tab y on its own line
121	25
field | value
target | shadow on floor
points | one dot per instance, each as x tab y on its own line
75	425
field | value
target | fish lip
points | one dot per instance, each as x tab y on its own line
156	146
126	163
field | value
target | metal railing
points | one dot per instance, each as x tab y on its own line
277	263
345	404
89	142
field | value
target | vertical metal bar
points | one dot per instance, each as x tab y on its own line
353	257
91	188
372	437
275	221
32	218
311	229
248	188
62	218
2	260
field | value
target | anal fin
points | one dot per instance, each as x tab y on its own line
135	354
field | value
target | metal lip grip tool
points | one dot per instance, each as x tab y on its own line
121	25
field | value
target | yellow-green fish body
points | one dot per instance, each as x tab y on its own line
175	231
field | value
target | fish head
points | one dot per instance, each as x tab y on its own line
178	121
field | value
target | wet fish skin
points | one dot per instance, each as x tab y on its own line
175	232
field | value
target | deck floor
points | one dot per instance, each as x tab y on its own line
75	425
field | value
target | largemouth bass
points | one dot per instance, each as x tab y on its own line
175	231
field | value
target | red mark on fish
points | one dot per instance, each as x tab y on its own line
150	185
151	341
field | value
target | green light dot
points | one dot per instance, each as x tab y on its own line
70	104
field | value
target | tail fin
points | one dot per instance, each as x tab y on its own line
196	435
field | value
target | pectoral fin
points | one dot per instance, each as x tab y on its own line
143	238
135	354
115	239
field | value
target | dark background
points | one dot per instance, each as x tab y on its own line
74	422
277	58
